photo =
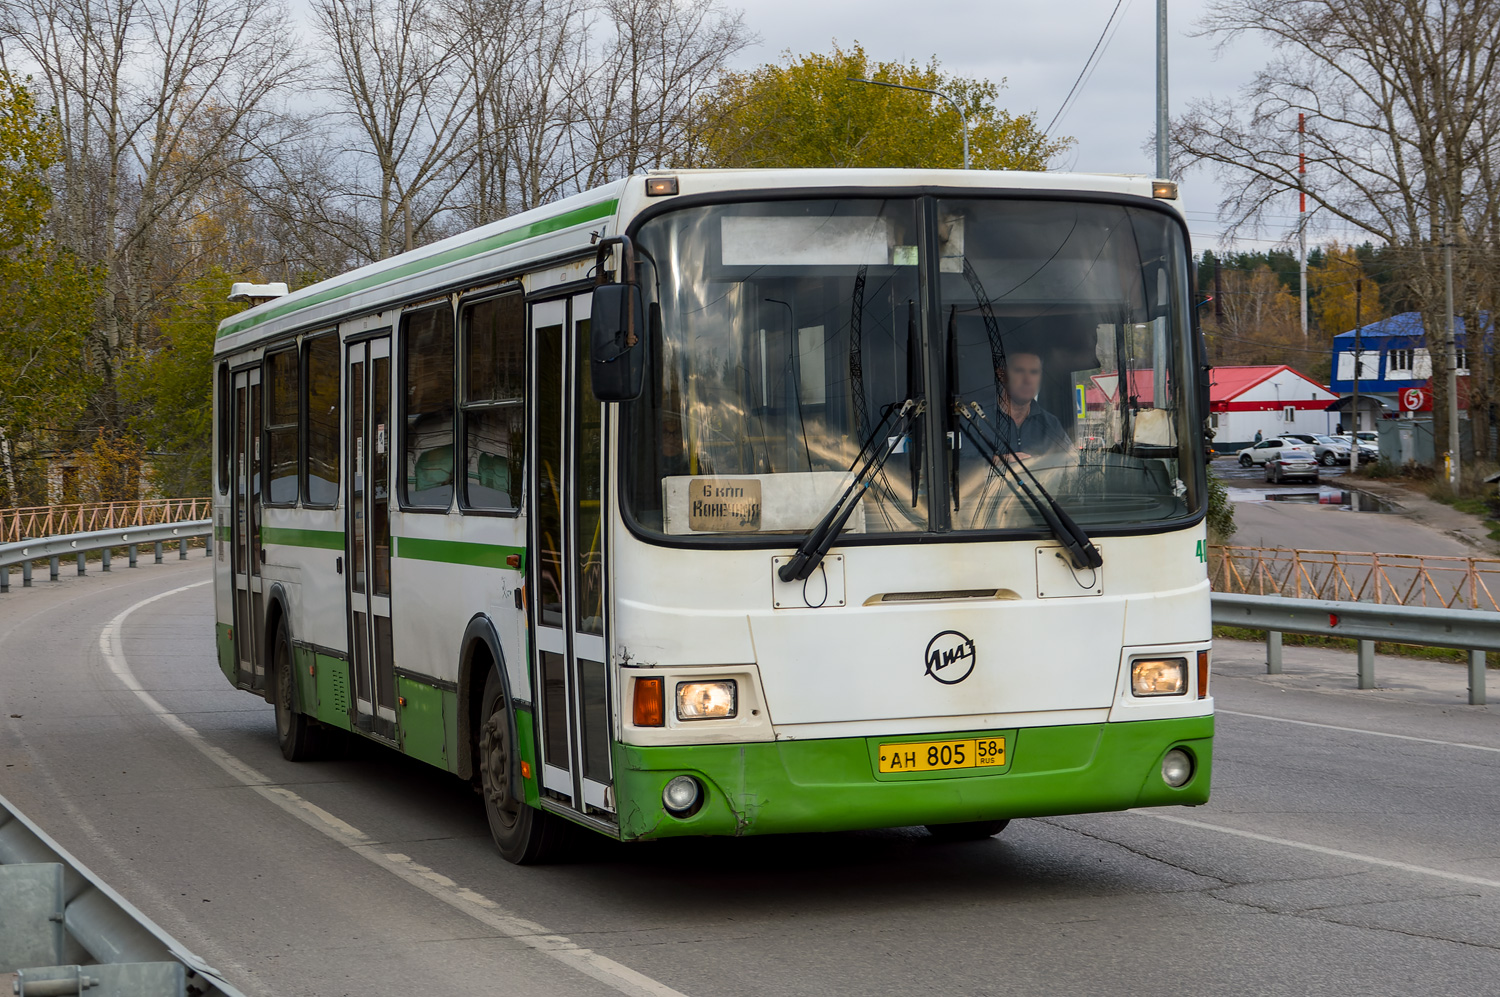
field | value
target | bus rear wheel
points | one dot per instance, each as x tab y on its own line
523	834
298	735
971	830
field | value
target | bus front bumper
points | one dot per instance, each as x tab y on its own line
833	785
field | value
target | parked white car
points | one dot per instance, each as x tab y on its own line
1266	449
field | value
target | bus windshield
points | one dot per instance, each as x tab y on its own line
790	336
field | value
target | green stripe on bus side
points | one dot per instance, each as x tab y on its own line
458	552
321	539
546	226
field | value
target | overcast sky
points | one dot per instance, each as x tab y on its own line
1039	50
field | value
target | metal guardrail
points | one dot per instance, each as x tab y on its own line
1384	579
53	549
49	520
63	931
1476	631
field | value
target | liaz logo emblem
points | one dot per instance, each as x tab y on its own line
950	657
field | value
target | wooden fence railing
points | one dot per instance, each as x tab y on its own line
1342	576
47	521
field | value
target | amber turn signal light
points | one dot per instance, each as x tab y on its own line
648	709
1203	674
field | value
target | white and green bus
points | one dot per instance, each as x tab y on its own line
740	502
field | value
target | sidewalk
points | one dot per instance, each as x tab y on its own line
1332	672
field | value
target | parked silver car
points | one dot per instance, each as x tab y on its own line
1329	450
1292	465
1266	449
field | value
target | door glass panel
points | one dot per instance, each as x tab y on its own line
385	671
357	492
361	658
241	476
595	704
590	541
380	502
549	508
255	479
555	708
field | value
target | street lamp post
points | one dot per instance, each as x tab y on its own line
901	86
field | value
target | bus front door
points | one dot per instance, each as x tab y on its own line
567	573
249	612
367	535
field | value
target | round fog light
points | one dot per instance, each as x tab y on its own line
1177	768
682	795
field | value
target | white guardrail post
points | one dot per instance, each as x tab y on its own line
1472	630
52	549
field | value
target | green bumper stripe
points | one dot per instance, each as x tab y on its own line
831	785
322	539
545	226
458	552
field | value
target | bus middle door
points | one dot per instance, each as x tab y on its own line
368	534
567	570
249	612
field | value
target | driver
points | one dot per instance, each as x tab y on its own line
1025	425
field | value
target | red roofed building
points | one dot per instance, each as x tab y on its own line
1270	399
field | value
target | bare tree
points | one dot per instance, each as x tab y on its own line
399	88
1399	99
155	100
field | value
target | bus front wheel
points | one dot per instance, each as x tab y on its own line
973	830
298	735
523	834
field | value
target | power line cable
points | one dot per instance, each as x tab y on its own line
1074	88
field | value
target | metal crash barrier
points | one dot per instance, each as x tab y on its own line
63	931
80	545
1476	631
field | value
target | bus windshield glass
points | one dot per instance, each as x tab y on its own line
952	341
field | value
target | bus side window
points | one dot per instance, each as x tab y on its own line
494	378
282	437
225	442
320	471
427	369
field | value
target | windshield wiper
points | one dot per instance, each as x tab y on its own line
1081	550
818	542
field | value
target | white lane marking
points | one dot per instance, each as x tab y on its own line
598	967
1361	730
1423	870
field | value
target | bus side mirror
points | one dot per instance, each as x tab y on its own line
617	354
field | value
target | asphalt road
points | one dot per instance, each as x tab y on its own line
1351	847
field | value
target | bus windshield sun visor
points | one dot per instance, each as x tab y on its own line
818	542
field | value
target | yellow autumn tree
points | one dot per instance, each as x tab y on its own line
807	112
1334	288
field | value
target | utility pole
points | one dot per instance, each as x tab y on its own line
1163	165
1302	211
1454	459
1359	286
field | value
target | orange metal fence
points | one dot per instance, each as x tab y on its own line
1387	579
48	521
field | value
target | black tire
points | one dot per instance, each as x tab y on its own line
972	830
1328	459
299	736
1245	460
523	834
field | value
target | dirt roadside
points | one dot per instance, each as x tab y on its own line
1461	526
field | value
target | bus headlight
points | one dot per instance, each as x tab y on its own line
1159	676
707	700
1176	768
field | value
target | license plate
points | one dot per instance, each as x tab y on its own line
937	756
